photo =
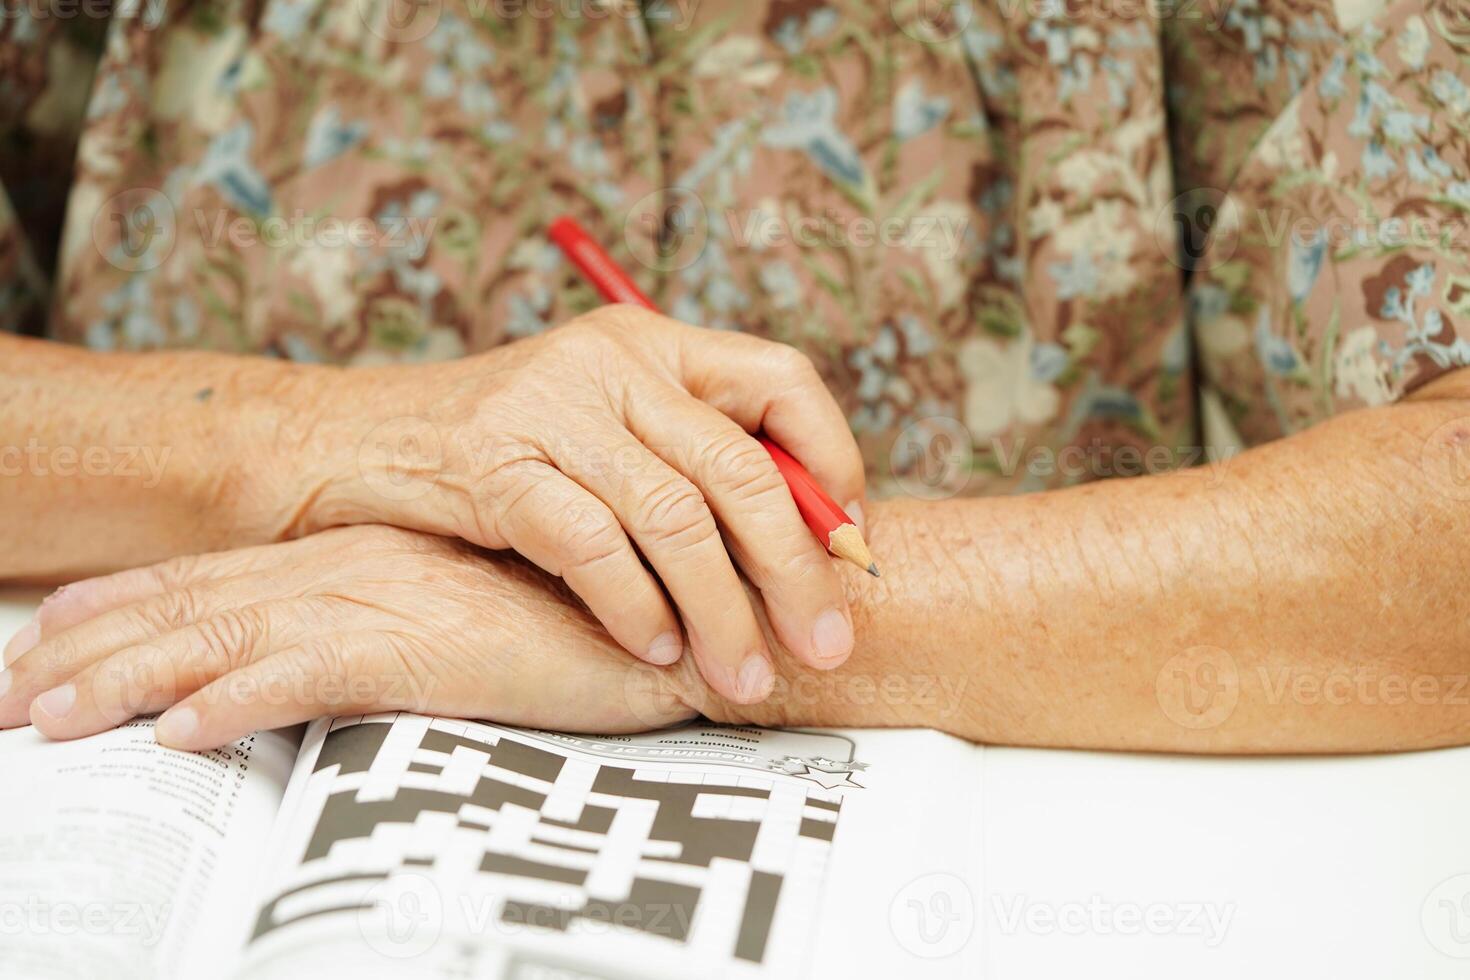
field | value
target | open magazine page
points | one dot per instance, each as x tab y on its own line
905	880
418	847
124	860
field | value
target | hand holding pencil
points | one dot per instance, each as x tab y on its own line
807	420
616	453
836	531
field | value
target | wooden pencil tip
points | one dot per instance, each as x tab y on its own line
846	543
873	570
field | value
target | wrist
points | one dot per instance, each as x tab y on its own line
909	667
266	429
362	446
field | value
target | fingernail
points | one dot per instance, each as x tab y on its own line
755	680
855	511
57	702
665	649
25	640
832	637
176	726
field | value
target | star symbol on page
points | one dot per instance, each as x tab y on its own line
832	765
826	773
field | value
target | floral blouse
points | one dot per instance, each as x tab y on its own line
1027	243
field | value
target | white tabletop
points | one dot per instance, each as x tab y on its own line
1129	866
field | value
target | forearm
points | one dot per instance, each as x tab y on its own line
1305	596
115	460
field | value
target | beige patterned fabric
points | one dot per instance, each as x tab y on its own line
1024	236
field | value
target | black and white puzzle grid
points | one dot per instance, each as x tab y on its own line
467	850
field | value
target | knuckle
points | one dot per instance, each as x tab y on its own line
675	513
587	538
506	496
172	575
591	333
53	657
806	568
617	318
227	639
792	364
515	474
579	325
169	611
355	541
566	331
741	466
388	538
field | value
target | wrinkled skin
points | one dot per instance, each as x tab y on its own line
618	437
351	621
615	452
347	621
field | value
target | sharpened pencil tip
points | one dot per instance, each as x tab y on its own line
873	571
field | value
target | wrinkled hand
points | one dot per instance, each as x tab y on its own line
348	621
618	437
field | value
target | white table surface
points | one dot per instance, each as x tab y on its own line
1129	866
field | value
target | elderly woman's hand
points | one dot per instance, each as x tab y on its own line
349	621
619	437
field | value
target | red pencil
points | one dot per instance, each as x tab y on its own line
838	532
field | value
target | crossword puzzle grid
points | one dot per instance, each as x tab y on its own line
557	840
